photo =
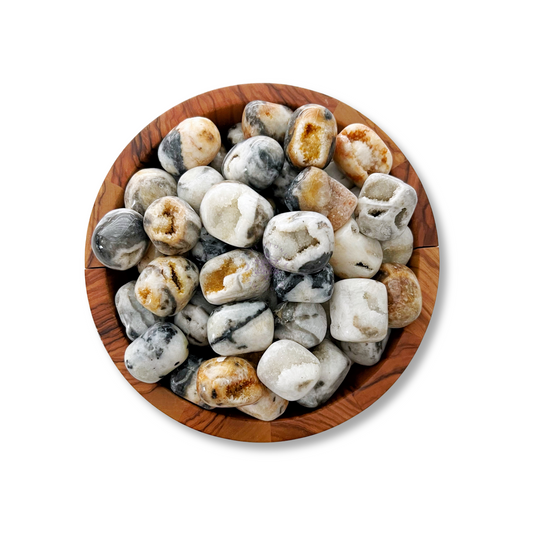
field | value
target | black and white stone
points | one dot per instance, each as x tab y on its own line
219	159
365	353
193	185
146	186
301	241
183	380
235	134
192	143
208	247
400	249
286	177
310	288
192	319
334	366
151	254
134	317
119	240
269	407
303	323
241	327
158	351
235	214
256	162
265	118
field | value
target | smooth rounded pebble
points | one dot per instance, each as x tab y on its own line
157	352
208	247
119	240
192	319
400	249
151	253
146	186
235	134
219	159
365	353
265	118
307	288
183	380
193	185
269	407
303	323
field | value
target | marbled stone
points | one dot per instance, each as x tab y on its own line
183	380
151	254
172	225
265	118
146	186
235	134
358	311
334	366
314	190
288	369
361	152
192	143
240	327
192	319
166	285
333	170
303	323
119	240
134	317
256	162
385	207
355	255
208	247
310	136
193	185
158	351
219	159
286	177
310	288
403	293
365	353
300	241
269	407
235	276
400	249
235	213
228	382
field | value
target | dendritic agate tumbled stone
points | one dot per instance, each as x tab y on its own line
310	136
240	327
183	380
192	319
235	214
298	242
158	351
265	118
192	143
235	276
358	311
172	225
119	240
314	190
288	369
135	318
193	185
269	407
403	292
355	255
235	134
365	353
334	366
146	186
166	285
228	382
361	152
151	254
385	207
398	250
208	247
256	162
303	323
310	288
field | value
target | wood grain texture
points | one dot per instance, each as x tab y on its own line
363	385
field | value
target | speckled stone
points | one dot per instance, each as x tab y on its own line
208	247
134	317
288	369
192	143
192	319
286	177
269	407
166	285
265	118
172	225
361	152
333	171
183	380
355	255
241	327
334	366
119	240
219	159
193	185
303	323
151	254
403	292
235	276
310	137
146	186
235	214
314	190
400	249
300	241
307	288
365	353
256	162
385	207
358	311
235	134
228	382
157	352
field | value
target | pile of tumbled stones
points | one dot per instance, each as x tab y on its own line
238	254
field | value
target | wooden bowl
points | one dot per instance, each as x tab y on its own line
363	385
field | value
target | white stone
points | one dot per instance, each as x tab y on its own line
304	323
193	185
192	319
235	134
334	171
365	353
269	407
219	159
400	249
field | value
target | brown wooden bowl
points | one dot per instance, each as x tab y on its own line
363	385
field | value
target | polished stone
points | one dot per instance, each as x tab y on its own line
193	185
183	380
235	134
281	183
151	253
365	353
400	249
192	319
146	186
265	118
269	407
303	323
219	159
334	171
208	247
307	288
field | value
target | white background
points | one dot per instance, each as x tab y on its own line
448	448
